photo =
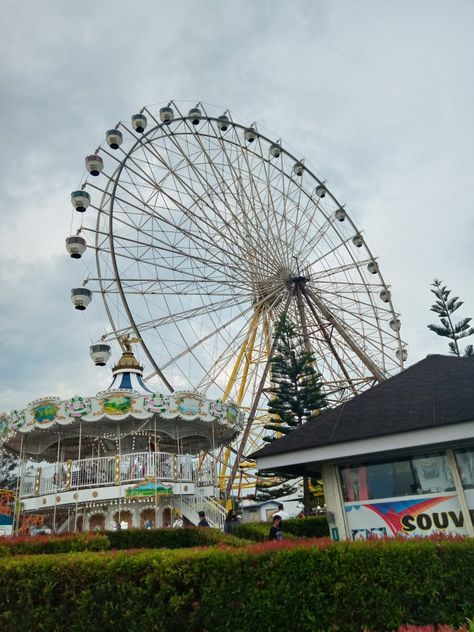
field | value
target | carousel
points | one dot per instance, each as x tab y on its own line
127	456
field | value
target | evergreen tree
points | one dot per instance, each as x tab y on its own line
296	398
8	471
445	307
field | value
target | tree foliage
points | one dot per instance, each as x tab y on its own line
296	397
444	307
296	385
8	471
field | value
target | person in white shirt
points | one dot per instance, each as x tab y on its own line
281	512
178	522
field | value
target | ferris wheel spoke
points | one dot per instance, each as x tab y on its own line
217	331
352	296
153	214
363	319
244	154
206	338
203	182
198	359
231	226
191	277
225	188
299	190
203	179
228	353
340	328
197	240
329	271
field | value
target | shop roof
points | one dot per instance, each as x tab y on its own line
434	392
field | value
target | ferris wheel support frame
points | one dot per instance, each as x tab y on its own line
329	342
298	291
246	351
253	410
341	331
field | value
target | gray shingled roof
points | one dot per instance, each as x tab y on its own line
436	391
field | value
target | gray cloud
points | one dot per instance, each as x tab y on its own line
377	97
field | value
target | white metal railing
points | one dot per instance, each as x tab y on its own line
115	470
215	513
28	486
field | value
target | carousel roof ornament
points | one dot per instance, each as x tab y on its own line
128	373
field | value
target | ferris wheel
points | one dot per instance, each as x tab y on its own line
204	231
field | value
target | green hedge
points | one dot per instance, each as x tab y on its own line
169	538
256	531
345	587
313	527
33	545
126	539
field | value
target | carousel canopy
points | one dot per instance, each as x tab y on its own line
126	408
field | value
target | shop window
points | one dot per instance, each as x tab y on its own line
433	474
396	477
354	479
465	463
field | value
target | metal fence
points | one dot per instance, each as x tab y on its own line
115	470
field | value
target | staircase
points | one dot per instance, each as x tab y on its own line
68	524
191	505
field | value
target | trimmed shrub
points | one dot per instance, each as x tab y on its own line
256	531
71	542
126	539
170	538
306	585
312	527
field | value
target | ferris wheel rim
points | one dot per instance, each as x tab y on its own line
142	140
234	315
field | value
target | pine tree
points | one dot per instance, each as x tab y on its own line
445	307
296	398
8	471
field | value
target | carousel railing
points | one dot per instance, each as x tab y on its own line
215	513
114	470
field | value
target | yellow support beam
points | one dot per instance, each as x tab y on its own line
245	350
240	355
248	361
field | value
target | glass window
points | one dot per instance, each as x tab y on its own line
433	473
465	463
396	477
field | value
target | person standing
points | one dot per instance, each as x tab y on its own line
281	512
276	532
229	522
202	520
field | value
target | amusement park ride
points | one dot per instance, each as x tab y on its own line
202	232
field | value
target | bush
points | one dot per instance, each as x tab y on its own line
28	545
169	538
311	585
312	527
126	539
256	531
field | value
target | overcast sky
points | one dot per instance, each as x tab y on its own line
377	95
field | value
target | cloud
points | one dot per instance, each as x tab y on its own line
376	96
